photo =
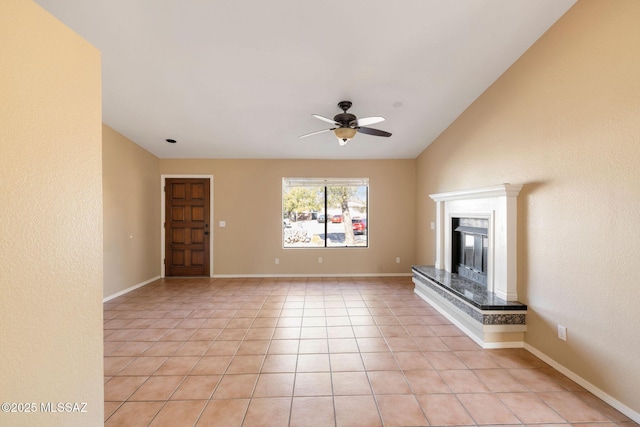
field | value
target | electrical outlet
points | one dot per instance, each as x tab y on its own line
277	261
398	260
433	225
562	332
319	260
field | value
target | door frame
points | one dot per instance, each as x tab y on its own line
163	180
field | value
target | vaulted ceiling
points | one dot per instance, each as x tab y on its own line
240	79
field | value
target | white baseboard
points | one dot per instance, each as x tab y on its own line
258	276
503	344
125	291
635	416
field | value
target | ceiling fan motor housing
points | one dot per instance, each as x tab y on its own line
344	118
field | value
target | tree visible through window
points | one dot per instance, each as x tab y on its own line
325	212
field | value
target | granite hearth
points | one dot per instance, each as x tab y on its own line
486	318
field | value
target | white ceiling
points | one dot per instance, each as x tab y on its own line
241	78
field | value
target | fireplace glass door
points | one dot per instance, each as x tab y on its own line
471	248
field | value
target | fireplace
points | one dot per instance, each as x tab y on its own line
473	281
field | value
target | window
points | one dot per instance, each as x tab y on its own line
325	212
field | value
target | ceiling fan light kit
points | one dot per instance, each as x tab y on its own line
348	124
344	134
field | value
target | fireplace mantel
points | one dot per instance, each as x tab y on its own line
498	204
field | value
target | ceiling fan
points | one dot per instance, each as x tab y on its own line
346	125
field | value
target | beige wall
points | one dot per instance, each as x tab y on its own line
50	218
131	185
248	197
565	122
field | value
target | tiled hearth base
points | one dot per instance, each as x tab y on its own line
490	321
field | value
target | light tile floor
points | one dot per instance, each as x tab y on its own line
318	352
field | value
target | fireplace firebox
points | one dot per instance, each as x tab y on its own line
470	248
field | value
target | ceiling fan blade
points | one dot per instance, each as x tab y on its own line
366	121
315	133
324	119
371	131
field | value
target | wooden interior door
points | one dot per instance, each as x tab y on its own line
187	226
